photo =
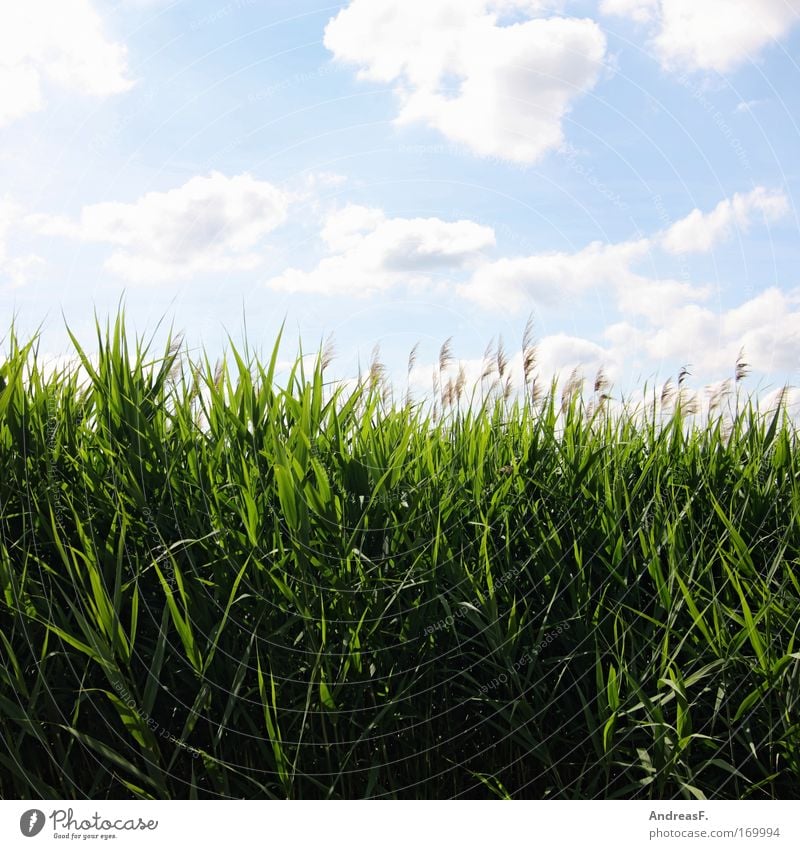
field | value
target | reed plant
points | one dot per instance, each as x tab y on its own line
216	583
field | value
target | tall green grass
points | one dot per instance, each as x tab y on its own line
214	583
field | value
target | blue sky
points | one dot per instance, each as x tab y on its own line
402	171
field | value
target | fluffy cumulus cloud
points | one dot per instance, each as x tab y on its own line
489	75
209	224
369	252
765	327
550	278
769	328
713	34
60	42
366	252
554	278
700	232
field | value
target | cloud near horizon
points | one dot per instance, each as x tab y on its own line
209	224
661	318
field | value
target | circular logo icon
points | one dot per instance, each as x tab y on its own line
31	822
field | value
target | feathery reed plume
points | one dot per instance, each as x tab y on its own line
508	388
219	372
528	363
572	387
718	394
446	354
173	350
377	370
501	358
742	368
412	358
448	394
175	345
601	382
489	361
328	352
527	334
667	394
688	402
529	352
194	387
536	392
461	382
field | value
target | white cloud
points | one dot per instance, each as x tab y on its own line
672	320
560	353
769	329
638	10
688	334
20	92
550	278
208	224
710	34
789	398
766	327
371	253
652	299
500	89
745	106
660	318
14	270
368	253
60	42
700	232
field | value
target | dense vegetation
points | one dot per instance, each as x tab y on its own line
213	583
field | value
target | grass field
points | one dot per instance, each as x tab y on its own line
217	584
